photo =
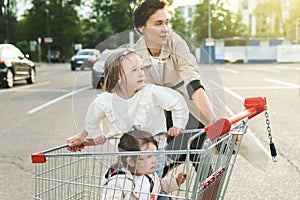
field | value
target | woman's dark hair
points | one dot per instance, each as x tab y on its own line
144	11
132	141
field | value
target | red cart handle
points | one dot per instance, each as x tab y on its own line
253	105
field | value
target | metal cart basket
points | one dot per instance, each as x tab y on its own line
60	174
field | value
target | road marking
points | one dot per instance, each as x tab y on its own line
56	100
282	83
229	70
49	73
262	88
24	87
263	69
234	94
46	90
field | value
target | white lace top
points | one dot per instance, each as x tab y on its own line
112	115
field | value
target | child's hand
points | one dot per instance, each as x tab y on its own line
174	131
238	139
181	178
75	143
100	140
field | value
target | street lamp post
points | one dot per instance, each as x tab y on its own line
209	30
47	24
297	30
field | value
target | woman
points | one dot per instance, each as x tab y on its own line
168	58
168	62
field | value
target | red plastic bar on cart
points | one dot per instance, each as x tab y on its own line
253	105
38	158
213	177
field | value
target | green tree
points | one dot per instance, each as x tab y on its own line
178	23
224	23
59	18
94	32
269	18
8	21
290	22
118	13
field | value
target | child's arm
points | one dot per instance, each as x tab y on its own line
172	100
90	135
117	188
180	178
171	183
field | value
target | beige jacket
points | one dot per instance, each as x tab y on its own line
176	64
120	186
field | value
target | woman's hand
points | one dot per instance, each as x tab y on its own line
174	131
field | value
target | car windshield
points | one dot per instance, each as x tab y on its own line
6	53
85	53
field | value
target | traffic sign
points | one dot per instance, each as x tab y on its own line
48	39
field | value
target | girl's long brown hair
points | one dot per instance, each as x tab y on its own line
113	68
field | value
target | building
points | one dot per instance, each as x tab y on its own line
264	20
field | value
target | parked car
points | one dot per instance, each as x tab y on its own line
56	56
15	66
98	69
84	58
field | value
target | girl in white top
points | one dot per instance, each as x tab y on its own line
127	103
133	176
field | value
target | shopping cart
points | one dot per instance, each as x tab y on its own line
60	174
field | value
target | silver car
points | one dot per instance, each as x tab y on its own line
98	69
84	58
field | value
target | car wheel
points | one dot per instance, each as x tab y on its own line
8	82
32	77
73	68
96	85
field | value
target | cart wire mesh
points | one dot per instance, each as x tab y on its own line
60	174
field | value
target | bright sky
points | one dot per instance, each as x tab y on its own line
185	2
234	3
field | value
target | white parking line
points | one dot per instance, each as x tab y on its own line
34	110
24	87
282	83
263	88
234	94
49	73
229	70
263	69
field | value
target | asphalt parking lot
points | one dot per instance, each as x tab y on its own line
43	115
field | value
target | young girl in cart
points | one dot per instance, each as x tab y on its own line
133	177
127	103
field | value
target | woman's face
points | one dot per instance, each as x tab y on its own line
134	77
156	30
146	164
